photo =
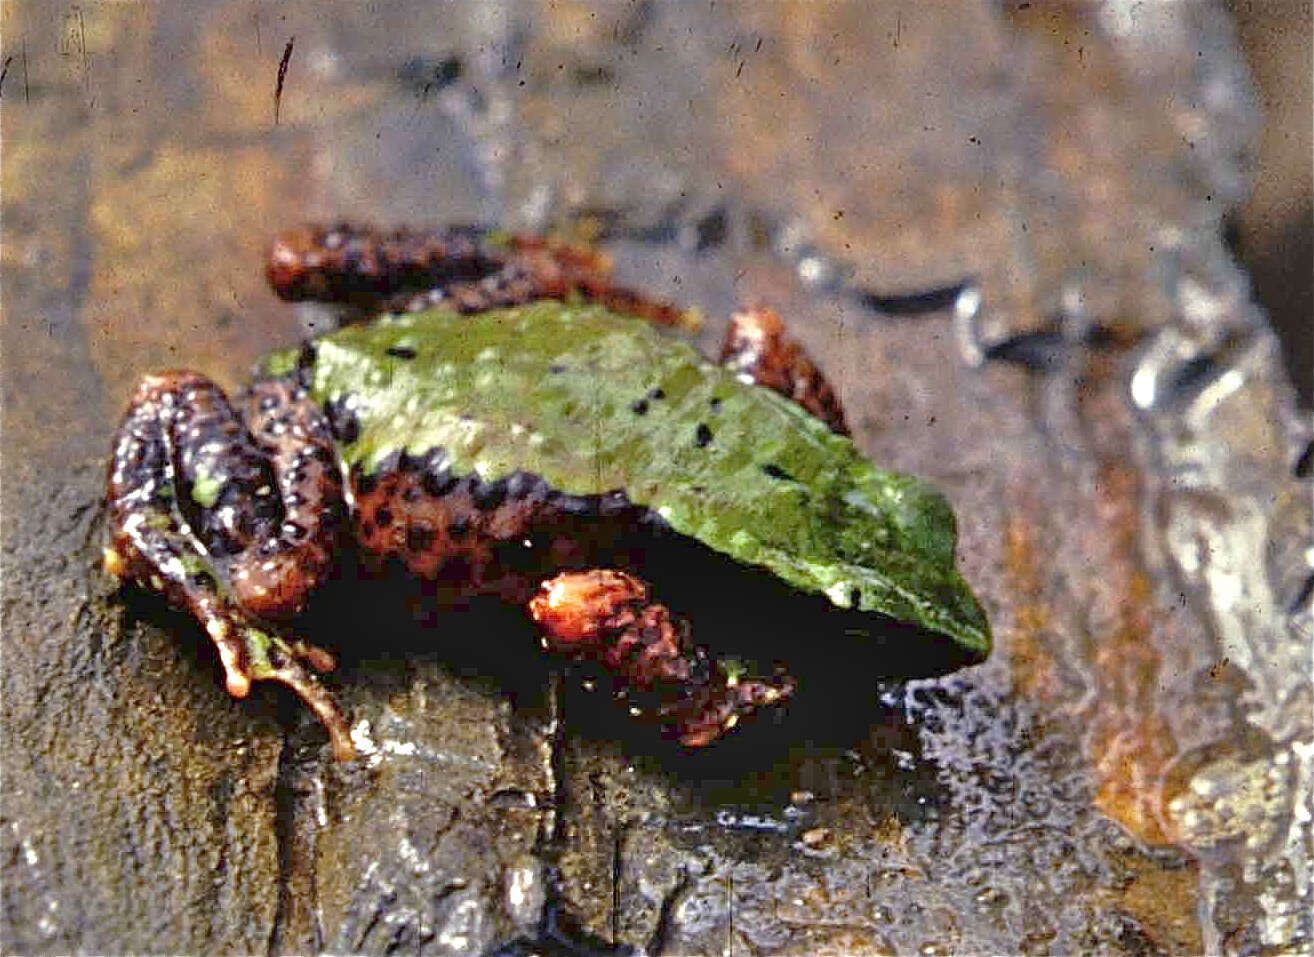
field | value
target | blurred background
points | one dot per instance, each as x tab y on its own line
1055	258
1272	228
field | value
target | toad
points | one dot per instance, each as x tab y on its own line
514	423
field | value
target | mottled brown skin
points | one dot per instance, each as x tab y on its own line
409	270
471	534
269	535
604	615
273	511
757	347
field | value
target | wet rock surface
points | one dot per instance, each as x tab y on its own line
1091	386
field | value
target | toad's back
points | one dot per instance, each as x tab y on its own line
579	404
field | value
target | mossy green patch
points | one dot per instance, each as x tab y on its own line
278	363
206	489
595	401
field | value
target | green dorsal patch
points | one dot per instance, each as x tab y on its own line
595	401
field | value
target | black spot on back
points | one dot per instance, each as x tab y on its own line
776	472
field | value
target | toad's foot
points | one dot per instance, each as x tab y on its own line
233	519
251	654
604	615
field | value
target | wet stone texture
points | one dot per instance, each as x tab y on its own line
1088	381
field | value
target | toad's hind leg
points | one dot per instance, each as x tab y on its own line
604	616
233	521
468	270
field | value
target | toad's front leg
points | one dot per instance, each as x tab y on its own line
233	518
605	616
